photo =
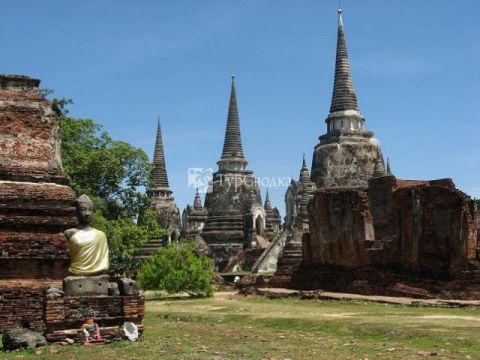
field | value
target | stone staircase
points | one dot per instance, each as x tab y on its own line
149	249
267	262
289	260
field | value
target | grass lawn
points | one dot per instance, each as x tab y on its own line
234	327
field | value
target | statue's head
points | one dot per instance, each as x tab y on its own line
84	210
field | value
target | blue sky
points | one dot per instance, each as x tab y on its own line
415	67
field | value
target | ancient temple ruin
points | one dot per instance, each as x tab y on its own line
193	218
162	201
236	218
297	198
274	220
193	221
36	203
347	153
369	232
36	207
160	193
396	237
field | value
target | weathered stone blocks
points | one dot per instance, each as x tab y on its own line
345	158
86	285
127	286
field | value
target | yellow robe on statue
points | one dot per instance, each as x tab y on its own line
89	252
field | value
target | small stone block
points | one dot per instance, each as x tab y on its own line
113	289
127	286
86	285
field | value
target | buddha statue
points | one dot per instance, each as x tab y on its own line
88	246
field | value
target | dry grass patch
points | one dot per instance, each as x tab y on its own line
235	327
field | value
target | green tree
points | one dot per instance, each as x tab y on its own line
125	237
99	166
112	173
178	268
110	170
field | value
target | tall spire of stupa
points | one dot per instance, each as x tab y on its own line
344	96
232	147
232	154
160	178
344	110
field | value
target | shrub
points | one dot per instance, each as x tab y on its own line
125	237
178	268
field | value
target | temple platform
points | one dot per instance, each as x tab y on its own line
25	304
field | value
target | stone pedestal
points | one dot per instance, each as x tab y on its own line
65	316
86	285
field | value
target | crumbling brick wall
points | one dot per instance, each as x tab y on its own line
21	305
65	316
340	227
36	203
33	217
419	229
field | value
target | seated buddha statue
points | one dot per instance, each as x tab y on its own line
88	246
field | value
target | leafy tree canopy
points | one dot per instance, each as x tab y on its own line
109	170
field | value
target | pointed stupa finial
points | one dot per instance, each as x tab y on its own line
304	173
344	96
232	146
160	178
197	202
389	171
268	204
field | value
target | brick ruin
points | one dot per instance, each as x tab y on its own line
36	204
395	237
36	207
111	311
